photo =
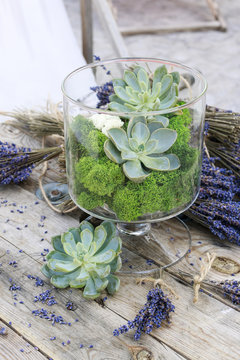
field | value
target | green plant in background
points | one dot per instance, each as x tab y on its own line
138	92
86	258
142	149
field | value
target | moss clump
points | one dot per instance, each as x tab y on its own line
161	191
95	141
89	200
85	139
99	177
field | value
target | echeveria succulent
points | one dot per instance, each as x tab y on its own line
137	91
86	258
142	148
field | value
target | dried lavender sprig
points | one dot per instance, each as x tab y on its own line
224	125
16	163
37	123
231	289
103	92
156	311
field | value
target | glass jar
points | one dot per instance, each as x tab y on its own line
103	187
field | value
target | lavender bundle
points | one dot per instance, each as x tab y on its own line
223	137
36	123
229	289
16	163
217	207
156	311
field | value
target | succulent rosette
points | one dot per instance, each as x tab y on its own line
138	91
142	148
86	258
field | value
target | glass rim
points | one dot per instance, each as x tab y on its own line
94	64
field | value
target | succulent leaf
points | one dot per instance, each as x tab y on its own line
119	82
165	139
85	257
176	77
57	244
143	148
141	133
61	265
129	155
134	171
119	138
174	161
162	119
115	106
112	152
90	291
131	79
159	74
58	255
113	284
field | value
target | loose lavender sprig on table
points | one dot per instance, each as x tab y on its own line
16	163
156	311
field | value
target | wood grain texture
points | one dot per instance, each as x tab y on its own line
209	324
95	324
11	345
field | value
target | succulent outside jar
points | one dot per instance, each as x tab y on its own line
134	157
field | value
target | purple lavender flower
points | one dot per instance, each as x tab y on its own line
103	92
232	290
156	310
14	166
217	206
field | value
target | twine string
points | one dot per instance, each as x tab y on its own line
198	279
157	282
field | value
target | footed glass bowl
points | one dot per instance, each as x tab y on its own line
138	159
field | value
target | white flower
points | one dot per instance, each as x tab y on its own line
105	122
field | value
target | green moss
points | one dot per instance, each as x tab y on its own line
85	139
89	201
95	141
161	191
99	177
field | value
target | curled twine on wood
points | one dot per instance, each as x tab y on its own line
44	170
157	282
198	279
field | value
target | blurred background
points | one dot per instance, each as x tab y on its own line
41	42
215	53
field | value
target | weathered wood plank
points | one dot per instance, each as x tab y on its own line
87	29
11	345
198	26
209	324
109	23
95	323
173	242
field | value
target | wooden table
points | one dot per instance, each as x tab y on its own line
207	330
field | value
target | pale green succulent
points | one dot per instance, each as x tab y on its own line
142	148
139	93
85	257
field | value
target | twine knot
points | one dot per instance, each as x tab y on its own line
157	282
198	279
